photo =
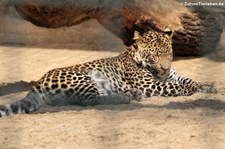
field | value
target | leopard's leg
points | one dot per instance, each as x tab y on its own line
158	88
113	99
204	87
103	97
93	97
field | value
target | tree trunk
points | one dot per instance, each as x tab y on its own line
197	34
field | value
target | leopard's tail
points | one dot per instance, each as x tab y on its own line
26	105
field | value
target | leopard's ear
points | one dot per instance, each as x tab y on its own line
137	36
169	32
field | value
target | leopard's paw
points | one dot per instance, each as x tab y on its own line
134	94
207	88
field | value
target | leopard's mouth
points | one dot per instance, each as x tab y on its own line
158	72
152	70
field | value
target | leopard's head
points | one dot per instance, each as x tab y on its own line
153	50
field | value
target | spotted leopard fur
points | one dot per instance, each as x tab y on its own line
142	70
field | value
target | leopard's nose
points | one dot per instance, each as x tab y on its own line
165	71
165	66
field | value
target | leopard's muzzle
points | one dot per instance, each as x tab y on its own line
158	71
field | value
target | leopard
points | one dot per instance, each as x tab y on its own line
141	71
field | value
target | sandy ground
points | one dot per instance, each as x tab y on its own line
197	121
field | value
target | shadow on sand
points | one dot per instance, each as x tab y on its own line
9	88
213	104
216	105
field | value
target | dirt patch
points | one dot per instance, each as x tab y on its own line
196	121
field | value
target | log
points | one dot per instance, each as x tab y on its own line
197	32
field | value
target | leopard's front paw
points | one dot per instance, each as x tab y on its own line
207	88
134	94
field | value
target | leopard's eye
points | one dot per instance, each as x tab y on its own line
151	61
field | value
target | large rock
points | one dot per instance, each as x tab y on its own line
197	30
